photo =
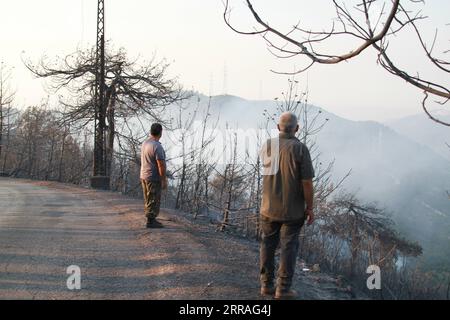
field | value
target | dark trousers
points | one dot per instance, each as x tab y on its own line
152	198
285	234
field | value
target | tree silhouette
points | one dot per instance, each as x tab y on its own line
135	92
368	23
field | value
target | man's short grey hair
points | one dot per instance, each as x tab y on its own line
287	122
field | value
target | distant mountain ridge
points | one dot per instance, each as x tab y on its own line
425	131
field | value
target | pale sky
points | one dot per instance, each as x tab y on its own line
202	49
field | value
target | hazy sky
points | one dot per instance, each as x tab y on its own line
202	49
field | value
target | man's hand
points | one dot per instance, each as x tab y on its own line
164	183
162	173
309	216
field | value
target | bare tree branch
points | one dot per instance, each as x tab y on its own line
370	29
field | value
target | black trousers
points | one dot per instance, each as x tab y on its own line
286	234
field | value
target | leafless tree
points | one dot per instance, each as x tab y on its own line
448	290
183	173
230	184
10	120
367	24
41	149
134	91
251	222
6	99
204	165
353	235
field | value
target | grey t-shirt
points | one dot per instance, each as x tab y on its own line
151	150
283	198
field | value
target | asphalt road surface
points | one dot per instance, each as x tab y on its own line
47	227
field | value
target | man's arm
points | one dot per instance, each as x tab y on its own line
162	173
308	192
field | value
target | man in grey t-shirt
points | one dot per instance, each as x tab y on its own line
153	175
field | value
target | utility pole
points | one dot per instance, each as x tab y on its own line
100	180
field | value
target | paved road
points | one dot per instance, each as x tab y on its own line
47	227
43	231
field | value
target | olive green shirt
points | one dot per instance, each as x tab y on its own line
282	198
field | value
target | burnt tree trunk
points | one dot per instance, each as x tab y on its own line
180	193
354	247
110	114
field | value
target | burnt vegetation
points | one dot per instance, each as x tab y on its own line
45	143
55	142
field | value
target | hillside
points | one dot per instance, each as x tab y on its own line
421	129
405	177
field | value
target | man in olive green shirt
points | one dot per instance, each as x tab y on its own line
287	201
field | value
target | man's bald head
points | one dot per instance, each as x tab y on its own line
288	122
